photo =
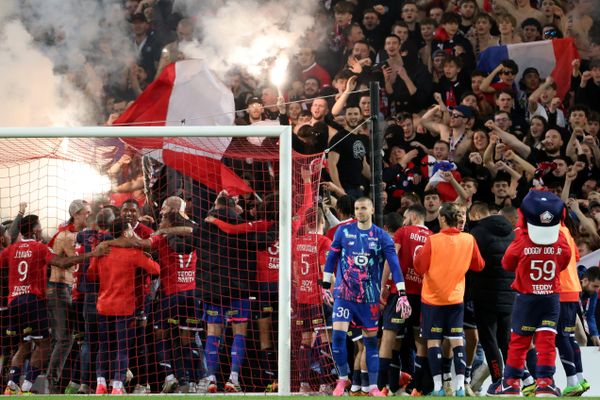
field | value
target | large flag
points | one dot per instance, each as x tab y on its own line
187	92
549	57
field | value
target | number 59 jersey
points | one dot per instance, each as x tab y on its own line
537	268
27	262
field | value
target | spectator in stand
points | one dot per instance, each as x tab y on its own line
347	161
530	81
507	71
436	12
481	38
407	82
453	84
544	102
342	19
587	85
147	44
308	67
172	52
467	9
449	39
373	30
410	16
531	30
506	26
484	107
428	26
432	202
520	10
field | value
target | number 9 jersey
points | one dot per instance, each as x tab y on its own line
537	267
27	262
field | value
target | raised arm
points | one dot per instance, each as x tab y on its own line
509	139
67	262
340	103
435	127
487	81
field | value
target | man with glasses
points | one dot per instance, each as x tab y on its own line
455	132
506	71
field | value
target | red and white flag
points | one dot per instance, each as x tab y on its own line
187	93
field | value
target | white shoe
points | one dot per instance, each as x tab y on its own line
170	386
325	390
479	376
305	389
447	385
142	389
205	385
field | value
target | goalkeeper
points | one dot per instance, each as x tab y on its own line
361	249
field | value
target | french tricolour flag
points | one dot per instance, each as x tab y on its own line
548	57
187	92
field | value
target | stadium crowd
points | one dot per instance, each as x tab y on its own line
463	147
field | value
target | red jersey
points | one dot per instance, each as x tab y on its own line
142	231
116	273
410	238
27	262
308	257
177	271
537	268
267	263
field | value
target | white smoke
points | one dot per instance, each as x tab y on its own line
55	58
32	94
248	33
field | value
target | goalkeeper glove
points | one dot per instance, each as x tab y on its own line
327	296
403	306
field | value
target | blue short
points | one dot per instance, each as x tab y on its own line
469	318
238	311
312	317
439	322
179	310
364	315
391	318
28	318
533	312
567	318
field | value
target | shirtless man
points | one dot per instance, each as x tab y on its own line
60	286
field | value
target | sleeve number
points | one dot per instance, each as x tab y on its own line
545	270
22	269
185	265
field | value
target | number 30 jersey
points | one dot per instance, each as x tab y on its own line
361	255
537	268
27	262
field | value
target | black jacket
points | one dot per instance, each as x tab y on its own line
491	287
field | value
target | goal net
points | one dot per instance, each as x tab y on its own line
208	232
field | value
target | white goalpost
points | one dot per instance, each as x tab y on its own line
284	136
